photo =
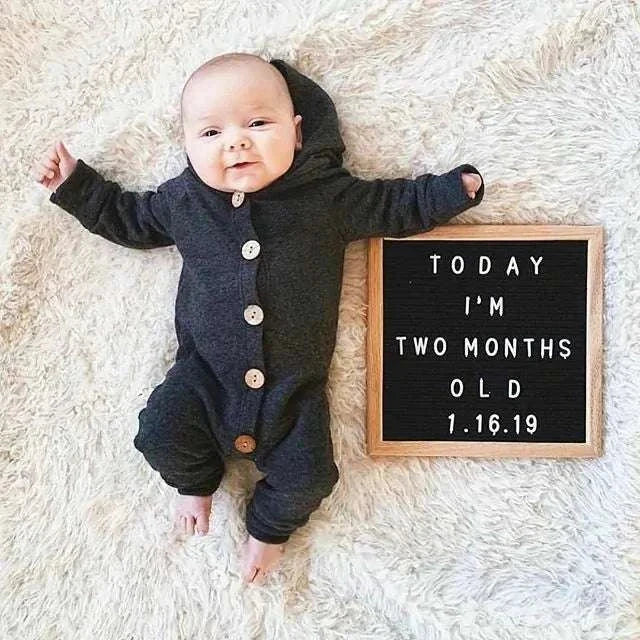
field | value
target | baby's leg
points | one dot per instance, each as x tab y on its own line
300	473
273	515
176	439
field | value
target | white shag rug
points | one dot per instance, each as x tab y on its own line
542	97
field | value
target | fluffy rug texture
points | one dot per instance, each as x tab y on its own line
542	97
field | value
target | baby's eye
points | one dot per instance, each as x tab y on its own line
259	122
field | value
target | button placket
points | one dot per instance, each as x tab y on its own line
254	378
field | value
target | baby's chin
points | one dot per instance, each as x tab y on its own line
246	184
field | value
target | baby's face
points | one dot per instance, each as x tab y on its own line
233	116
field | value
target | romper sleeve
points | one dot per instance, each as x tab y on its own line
397	207
138	220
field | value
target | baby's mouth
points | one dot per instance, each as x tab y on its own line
240	165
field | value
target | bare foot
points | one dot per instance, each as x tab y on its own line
259	559
190	511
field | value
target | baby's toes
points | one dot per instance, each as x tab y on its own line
189	525
202	524
183	525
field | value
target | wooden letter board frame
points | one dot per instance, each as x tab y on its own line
376	446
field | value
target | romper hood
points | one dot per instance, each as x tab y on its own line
322	145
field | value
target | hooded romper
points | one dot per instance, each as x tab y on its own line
257	306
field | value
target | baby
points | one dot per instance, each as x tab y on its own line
261	216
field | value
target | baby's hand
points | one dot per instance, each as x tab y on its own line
56	166
471	182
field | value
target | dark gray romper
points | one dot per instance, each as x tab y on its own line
257	306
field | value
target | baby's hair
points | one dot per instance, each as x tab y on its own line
236	59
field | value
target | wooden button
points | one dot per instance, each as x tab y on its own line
253	314
250	249
254	378
245	444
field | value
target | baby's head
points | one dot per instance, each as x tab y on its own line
237	107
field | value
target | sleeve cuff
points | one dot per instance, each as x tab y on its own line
448	194
67	193
469	168
198	491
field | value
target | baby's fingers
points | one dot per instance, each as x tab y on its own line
41	173
48	172
53	154
51	163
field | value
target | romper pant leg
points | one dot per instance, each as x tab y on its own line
175	435
300	473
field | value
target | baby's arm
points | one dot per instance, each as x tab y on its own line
400	207
139	220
